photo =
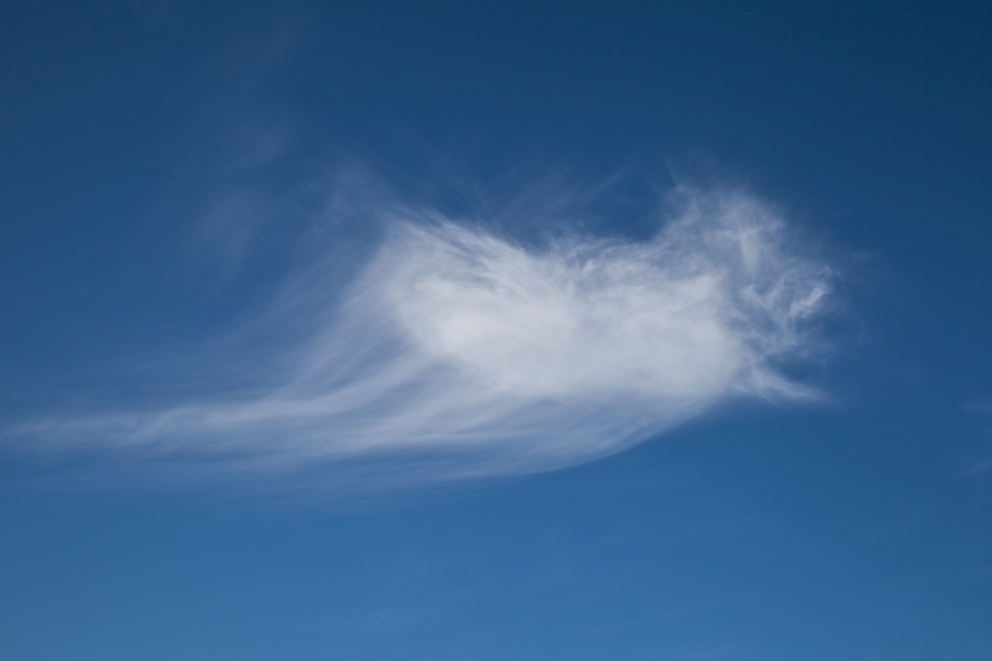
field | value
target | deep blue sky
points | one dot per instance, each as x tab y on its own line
859	527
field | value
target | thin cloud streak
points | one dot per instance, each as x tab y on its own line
458	352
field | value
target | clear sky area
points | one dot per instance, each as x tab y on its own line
647	331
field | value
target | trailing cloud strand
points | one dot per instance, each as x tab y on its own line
456	352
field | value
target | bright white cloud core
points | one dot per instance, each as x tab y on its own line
458	352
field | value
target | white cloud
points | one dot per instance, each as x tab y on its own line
457	351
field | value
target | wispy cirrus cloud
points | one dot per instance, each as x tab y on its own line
457	351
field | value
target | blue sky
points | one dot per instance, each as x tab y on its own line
519	330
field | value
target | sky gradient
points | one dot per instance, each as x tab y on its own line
531	331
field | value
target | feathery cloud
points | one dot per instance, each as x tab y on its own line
457	351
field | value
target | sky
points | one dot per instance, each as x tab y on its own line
647	331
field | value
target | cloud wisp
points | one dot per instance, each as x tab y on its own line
458	352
